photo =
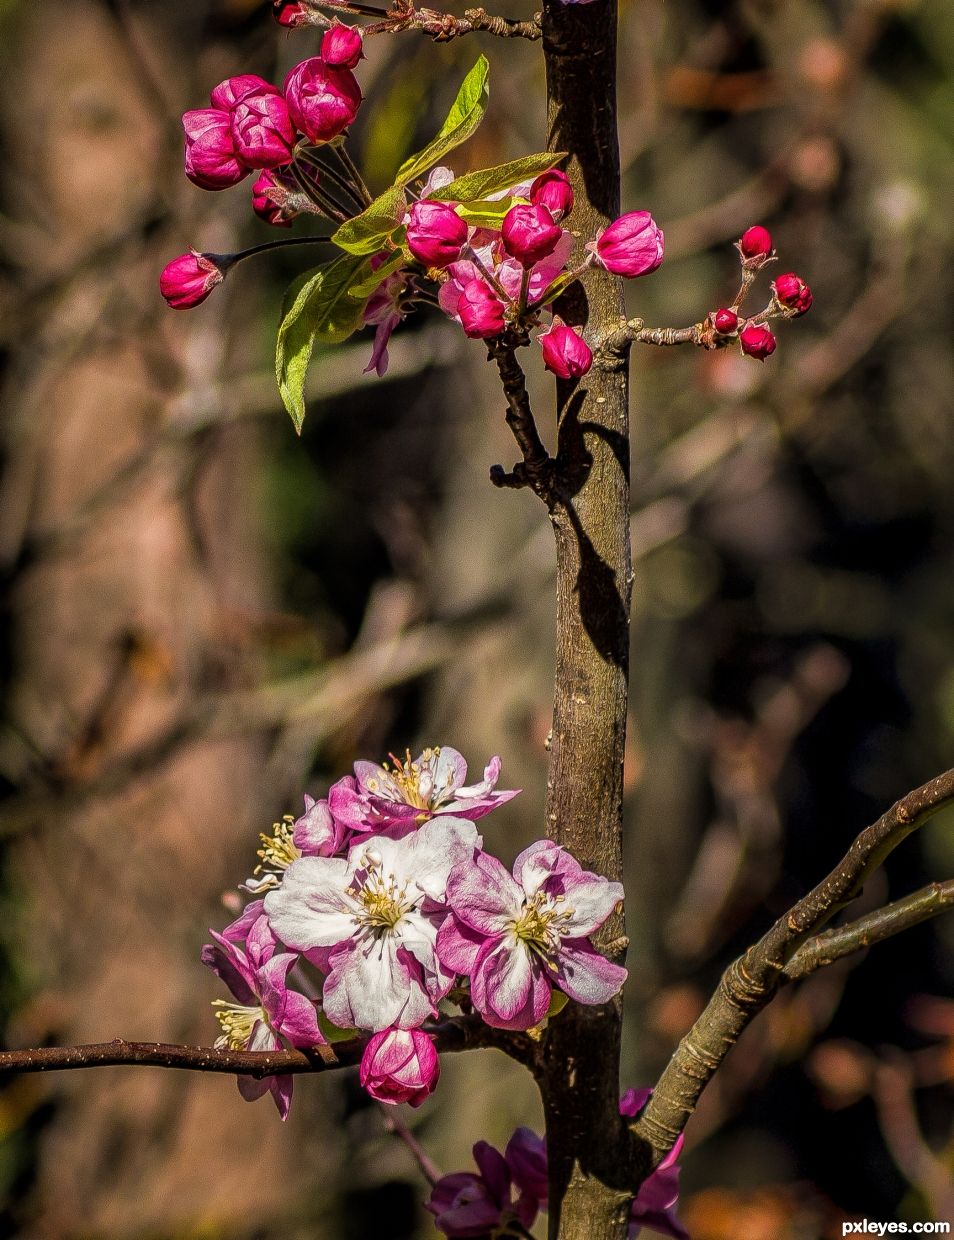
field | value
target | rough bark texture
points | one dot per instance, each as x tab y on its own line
590	513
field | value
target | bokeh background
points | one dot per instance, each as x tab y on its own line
207	616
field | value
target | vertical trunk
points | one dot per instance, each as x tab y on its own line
580	1085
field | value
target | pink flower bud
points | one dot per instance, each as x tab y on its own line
757	341
793	293
289	13
272	207
725	321
234	89
435	233
632	246
321	101
529	234
210	160
481	311
262	131
553	190
565	352
755	242
400	1065
341	47
189	279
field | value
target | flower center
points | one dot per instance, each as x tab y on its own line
384	901
540	923
237	1024
278	851
414	779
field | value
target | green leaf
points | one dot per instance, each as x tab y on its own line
318	307
486	214
367	287
554	289
467	111
485	181
366	233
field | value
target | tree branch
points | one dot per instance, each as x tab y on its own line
442	27
459	1033
536	469
750	982
875	927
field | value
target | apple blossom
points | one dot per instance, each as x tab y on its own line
435	233
793	293
755	243
725	321
400	1065
632	246
475	1205
529	234
322	101
553	190
189	279
565	352
210	158
341	46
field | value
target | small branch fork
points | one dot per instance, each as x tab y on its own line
536	470
788	952
702	334
441	26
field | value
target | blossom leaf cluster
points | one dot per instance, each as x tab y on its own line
382	904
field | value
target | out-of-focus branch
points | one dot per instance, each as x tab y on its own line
461	1033
875	927
750	982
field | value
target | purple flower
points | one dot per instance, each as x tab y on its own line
401	795
189	279
317	833
370	922
517	937
654	1206
469	1205
400	1065
246	957
383	311
210	159
632	246
322	101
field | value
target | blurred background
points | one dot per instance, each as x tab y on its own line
206	616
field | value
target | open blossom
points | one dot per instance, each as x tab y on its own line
246	957
317	833
322	101
384	311
401	795
189	279
654	1206
632	246
400	1065
516	937
370	922
473	1205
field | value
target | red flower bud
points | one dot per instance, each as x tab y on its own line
341	47
189	279
553	190
793	293
321	101
435	233
755	242
632	246
480	311
289	13
757	341
529	234
272	207
565	352
725	321
210	159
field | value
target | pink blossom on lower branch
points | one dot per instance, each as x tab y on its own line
370	923
246	957
518	937
466	1204
400	1065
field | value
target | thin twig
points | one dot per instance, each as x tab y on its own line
750	982
536	469
442	27
393	1123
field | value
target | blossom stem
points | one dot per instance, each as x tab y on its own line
429	1169
265	246
487	273
330	207
332	174
342	152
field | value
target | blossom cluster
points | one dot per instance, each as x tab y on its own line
379	903
512	1188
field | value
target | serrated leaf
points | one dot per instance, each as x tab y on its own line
473	186
367	286
366	233
321	308
466	113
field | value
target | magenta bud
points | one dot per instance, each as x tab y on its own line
793	293
565	352
757	341
210	159
553	190
755	242
632	246
262	131
481	311
290	13
269	197
189	279
435	233
342	46
529	234
321	101
725	321
400	1065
